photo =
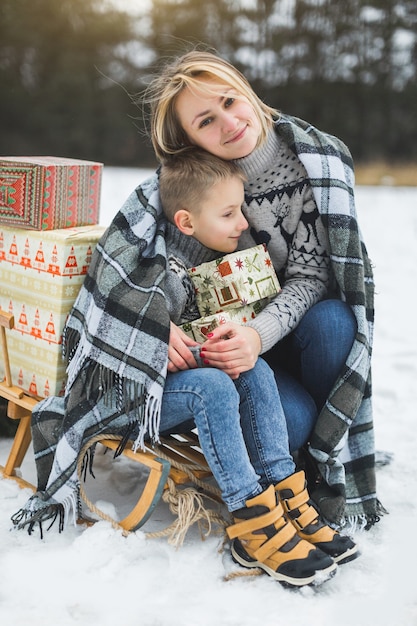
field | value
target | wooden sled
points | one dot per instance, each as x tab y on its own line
177	460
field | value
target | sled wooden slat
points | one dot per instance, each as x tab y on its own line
19	407
179	449
15	396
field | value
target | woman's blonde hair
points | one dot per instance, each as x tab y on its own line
167	135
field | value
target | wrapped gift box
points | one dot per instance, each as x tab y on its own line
47	193
41	273
198	329
36	367
234	280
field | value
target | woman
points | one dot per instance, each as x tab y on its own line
300	202
118	337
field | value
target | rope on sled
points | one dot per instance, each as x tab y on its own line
242	573
186	504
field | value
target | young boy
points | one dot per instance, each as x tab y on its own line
202	197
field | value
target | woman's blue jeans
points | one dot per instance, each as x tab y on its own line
247	427
307	363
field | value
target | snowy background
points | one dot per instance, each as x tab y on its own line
95	576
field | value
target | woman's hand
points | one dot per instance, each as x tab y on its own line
179	355
232	348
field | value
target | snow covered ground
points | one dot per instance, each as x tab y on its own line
95	576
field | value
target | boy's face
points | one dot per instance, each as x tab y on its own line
219	221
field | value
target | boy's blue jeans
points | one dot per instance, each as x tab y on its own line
247	427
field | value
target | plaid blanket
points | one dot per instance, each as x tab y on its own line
120	320
116	341
117	335
343	439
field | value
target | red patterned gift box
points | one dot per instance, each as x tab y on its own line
47	193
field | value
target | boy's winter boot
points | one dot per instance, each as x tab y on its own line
299	510
262	537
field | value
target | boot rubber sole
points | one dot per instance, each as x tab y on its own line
347	556
319	577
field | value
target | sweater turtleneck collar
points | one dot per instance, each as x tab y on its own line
261	158
190	251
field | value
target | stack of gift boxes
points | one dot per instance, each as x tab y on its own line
235	287
49	210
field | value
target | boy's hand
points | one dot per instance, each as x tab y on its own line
179	355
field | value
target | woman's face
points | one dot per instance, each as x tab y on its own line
225	124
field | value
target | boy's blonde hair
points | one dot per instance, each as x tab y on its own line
185	179
167	135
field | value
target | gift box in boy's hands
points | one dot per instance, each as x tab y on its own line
234	280
47	193
198	329
233	288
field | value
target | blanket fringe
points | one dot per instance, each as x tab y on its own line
30	519
374	519
36	514
130	397
352	524
87	463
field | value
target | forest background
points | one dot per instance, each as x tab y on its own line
71	71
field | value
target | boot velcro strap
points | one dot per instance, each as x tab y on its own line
274	544
306	518
256	523
296	501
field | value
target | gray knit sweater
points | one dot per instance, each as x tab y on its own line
282	214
